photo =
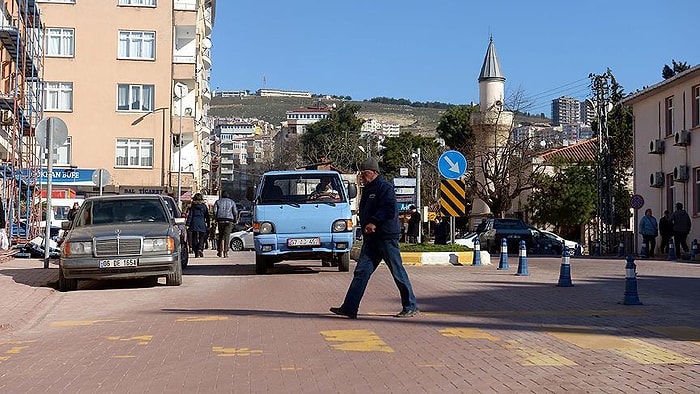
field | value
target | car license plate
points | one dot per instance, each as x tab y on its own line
119	263
304	242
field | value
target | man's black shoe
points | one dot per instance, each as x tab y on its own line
409	313
341	312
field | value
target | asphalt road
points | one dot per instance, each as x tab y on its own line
481	330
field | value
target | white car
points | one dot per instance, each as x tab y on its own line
572	245
241	240
467	240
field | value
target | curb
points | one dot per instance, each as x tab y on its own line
443	258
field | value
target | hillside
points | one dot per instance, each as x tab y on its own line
417	120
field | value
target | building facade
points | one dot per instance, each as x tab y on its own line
566	110
133	91
667	145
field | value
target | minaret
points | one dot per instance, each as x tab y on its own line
491	80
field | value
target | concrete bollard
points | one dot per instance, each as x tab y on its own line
522	260
643	251
671	250
476	260
503	262
621	249
565	269
631	296
693	249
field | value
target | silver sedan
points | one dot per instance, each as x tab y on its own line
241	240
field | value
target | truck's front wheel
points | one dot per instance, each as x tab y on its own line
260	264
343	260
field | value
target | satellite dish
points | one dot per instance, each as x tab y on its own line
180	90
206	43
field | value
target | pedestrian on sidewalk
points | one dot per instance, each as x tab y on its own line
649	229
665	230
225	212
681	227
379	221
198	224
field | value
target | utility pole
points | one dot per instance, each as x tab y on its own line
418	202
606	208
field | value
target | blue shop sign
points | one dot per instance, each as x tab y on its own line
66	176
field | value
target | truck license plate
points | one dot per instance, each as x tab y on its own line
119	263
304	242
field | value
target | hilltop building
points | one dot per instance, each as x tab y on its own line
133	90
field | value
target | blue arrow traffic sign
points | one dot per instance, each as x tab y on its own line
452	164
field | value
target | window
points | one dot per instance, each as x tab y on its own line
137	45
61	155
696	105
669	116
135	98
134	153
670	193
151	3
58	96
696	191
60	42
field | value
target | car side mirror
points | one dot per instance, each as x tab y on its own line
352	190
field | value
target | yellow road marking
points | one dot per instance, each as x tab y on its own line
290	368
231	352
591	340
78	323
4	358
357	340
537	356
141	339
679	333
467	333
16	349
124	356
201	318
15	342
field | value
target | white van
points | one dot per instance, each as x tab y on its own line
59	213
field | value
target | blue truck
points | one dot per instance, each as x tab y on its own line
302	215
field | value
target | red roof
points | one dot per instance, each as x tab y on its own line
582	151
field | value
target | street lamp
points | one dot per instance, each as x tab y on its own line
162	153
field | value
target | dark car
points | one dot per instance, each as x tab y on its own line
512	230
184	243
119	237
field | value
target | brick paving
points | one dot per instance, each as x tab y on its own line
481	330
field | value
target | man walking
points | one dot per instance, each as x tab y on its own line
379	221
665	230
198	224
225	212
681	227
413	225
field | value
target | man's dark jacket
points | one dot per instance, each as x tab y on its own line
378	206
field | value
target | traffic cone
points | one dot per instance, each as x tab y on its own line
694	249
522	260
671	250
503	262
565	270
643	252
631	296
476	261
621	249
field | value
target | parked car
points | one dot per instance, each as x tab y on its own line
245	220
184	238
467	240
512	230
572	245
242	240
121	236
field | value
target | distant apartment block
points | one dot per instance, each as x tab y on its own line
232	93
565	110
299	118
282	93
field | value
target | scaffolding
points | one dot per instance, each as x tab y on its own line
21	108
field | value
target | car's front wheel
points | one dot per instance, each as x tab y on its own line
184	256
174	279
343	261
236	245
65	284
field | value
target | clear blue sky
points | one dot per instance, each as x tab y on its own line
433	50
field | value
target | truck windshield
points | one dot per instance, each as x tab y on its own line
302	189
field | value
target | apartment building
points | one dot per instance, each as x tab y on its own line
21	68
565	110
667	145
130	78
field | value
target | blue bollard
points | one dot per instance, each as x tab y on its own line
522	260
476	261
577	250
643	251
671	250
503	262
631	296
694	250
565	270
621	249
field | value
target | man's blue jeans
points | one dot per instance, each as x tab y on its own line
373	252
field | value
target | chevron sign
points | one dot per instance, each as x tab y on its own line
453	198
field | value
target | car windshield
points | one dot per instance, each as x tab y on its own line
121	211
509	224
302	189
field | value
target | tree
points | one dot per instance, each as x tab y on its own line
455	128
334	139
678	67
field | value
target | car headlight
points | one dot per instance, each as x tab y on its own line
77	248
341	225
266	228
166	244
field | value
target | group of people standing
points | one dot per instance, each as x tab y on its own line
199	226
674	226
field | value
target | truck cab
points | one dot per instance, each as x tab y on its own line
302	215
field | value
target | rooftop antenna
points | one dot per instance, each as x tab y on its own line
264	82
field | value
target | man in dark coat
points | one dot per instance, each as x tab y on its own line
379	221
665	230
681	227
413	225
198	224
